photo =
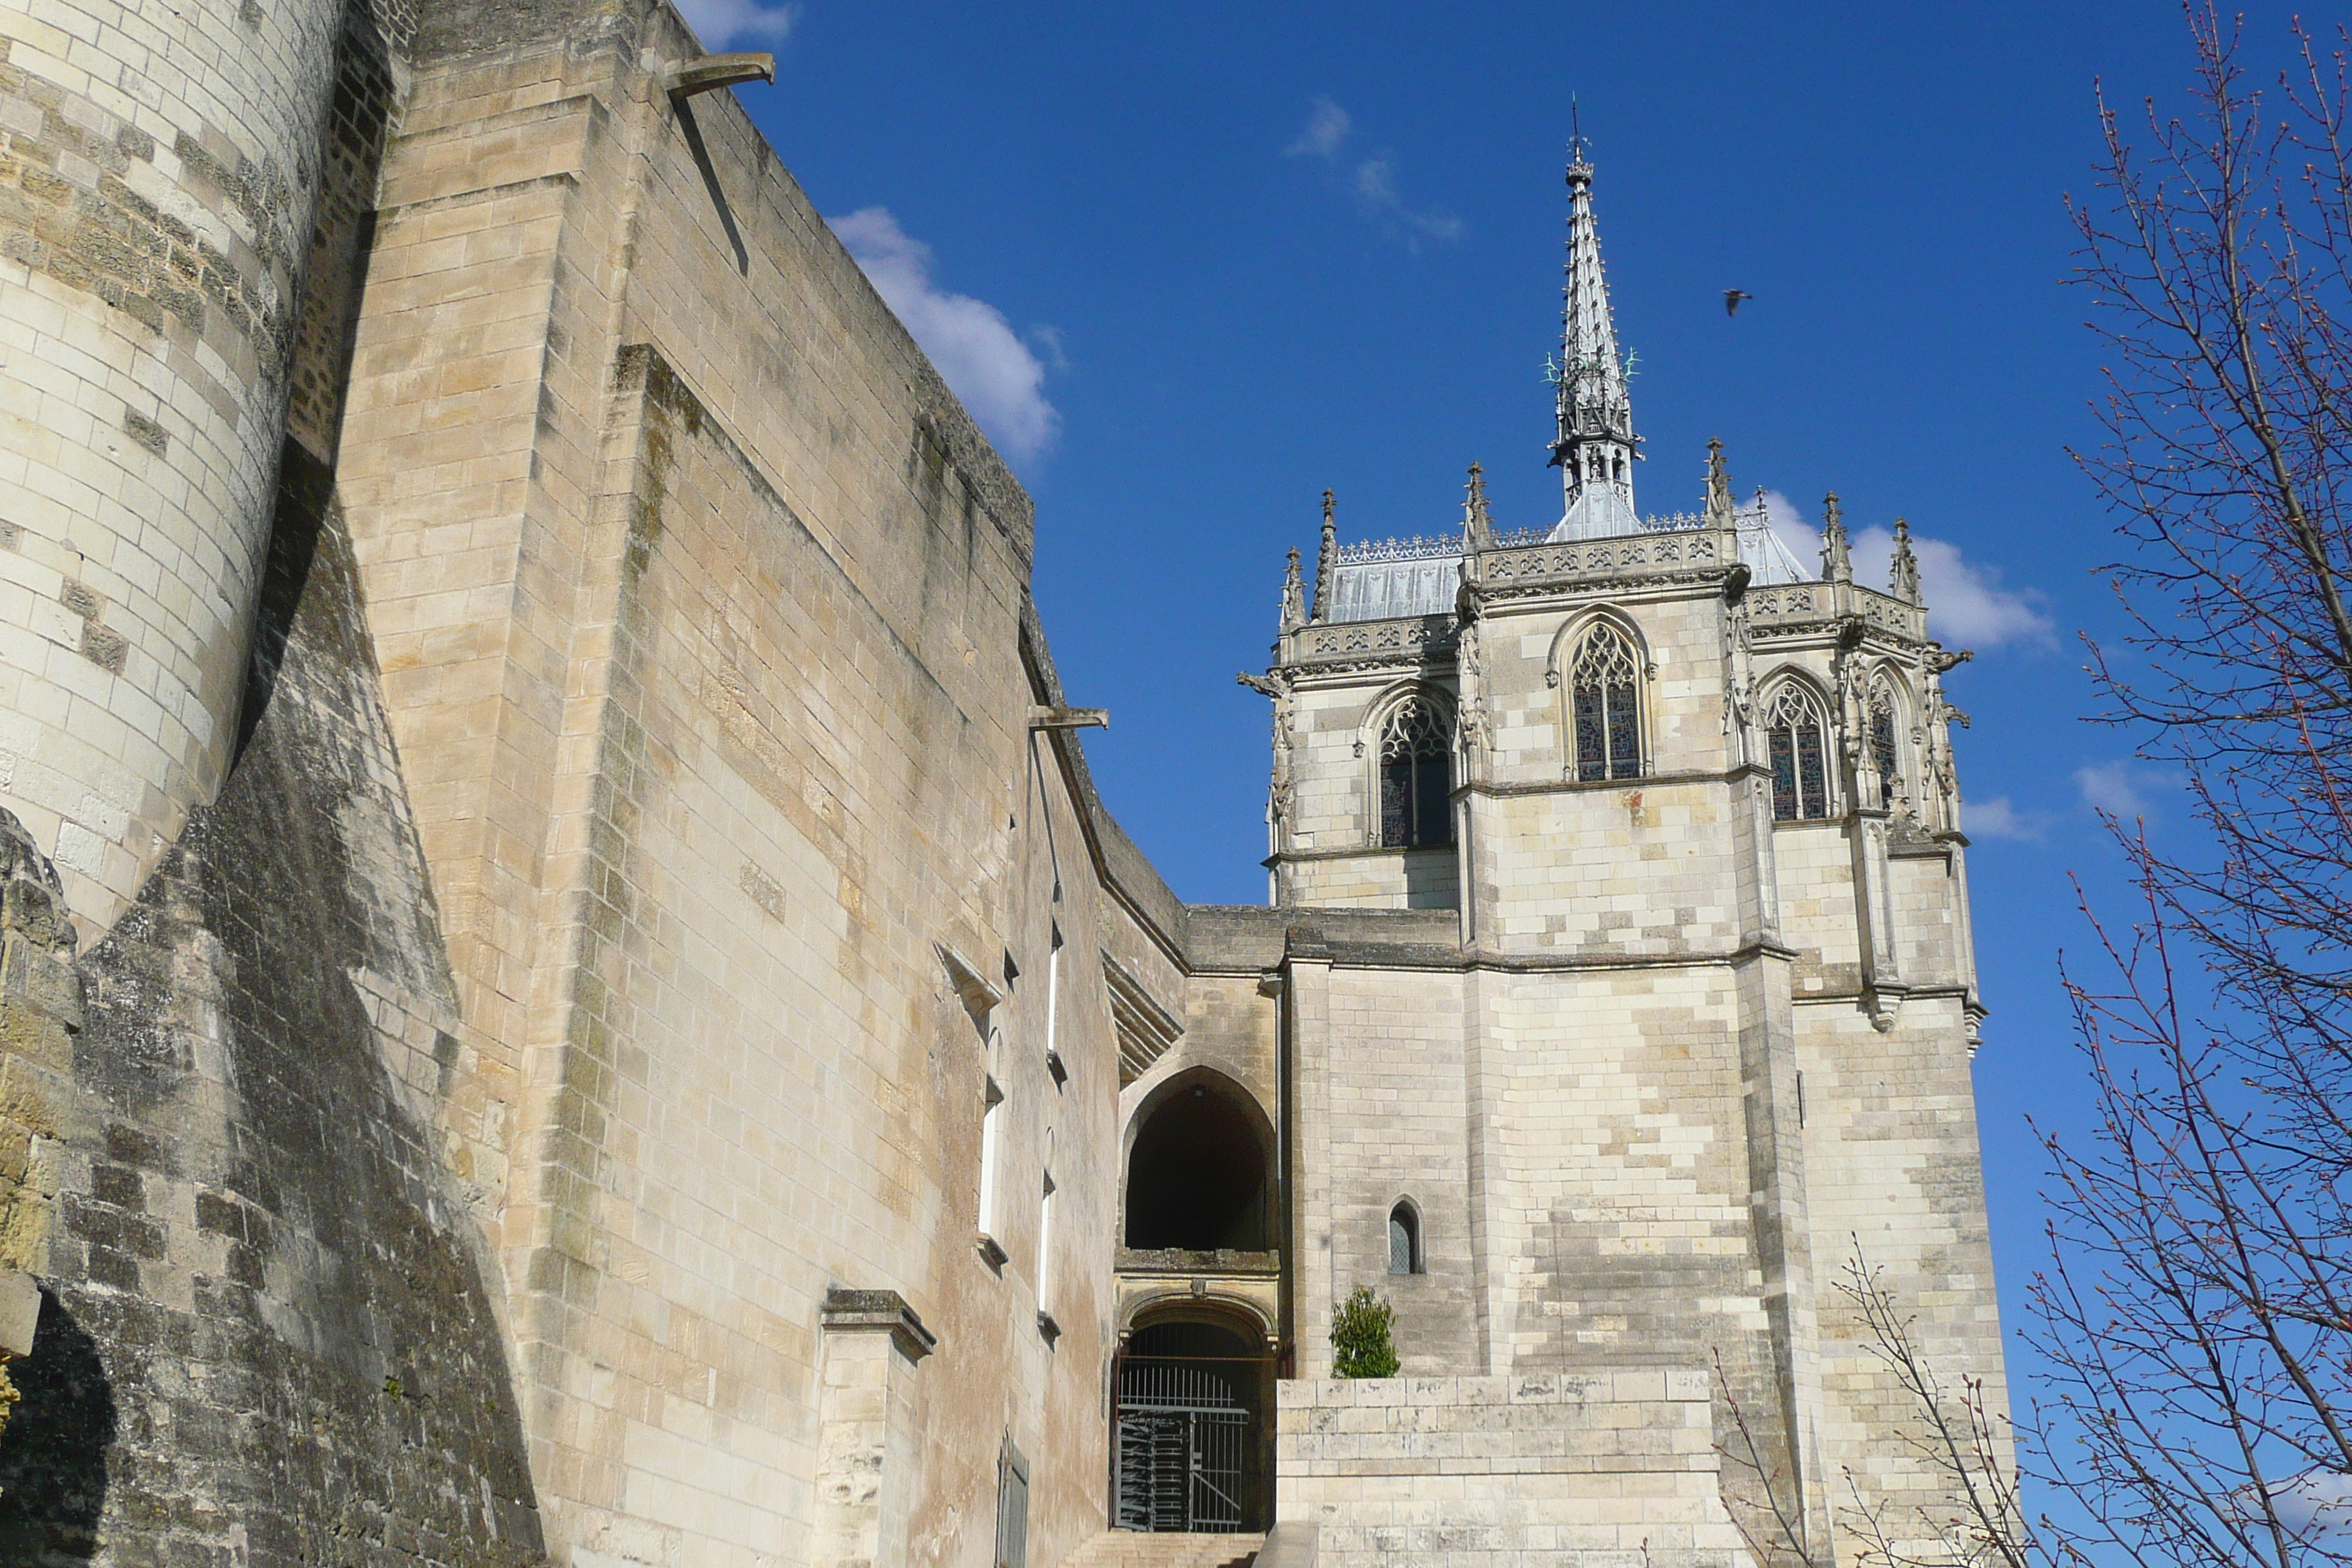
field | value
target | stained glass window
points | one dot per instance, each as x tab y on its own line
1800	774
1605	718
1416	778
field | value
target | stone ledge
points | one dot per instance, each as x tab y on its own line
851	1311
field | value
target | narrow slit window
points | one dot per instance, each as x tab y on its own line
1800	772
1416	778
1046	1250
992	1121
1603	690
1053	1067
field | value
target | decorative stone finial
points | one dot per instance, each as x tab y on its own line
1293	608
1477	527
1327	561
1718	486
1837	562
1904	582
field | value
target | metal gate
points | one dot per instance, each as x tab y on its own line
1183	1435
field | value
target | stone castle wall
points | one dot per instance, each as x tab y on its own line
702	610
270	1331
159	171
549	1049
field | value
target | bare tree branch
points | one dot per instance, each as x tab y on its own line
2196	1320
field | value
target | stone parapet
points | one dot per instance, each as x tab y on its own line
1568	1469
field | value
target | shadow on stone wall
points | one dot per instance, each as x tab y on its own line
53	1457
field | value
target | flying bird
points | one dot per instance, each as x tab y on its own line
1731	298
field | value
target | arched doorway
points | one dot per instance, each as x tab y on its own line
1192	1439
1198	1173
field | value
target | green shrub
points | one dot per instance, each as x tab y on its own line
1360	1336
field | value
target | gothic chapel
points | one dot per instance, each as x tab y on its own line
567	996
1624	1001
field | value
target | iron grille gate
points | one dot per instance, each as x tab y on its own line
1182	1436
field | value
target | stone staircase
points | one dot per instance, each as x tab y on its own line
1136	1549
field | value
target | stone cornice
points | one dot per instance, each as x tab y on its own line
1437	957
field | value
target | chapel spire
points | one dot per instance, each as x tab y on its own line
1595	449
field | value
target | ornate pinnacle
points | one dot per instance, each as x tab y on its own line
1477	527
1837	563
1293	609
1905	583
1718	486
1326	562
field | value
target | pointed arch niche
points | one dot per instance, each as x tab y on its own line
1602	667
1886	723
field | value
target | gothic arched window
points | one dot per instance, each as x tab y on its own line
1883	748
1800	774
1404	1240
1603	682
1416	778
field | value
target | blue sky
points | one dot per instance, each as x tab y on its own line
1192	264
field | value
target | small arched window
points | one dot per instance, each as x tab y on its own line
1404	1240
1604	688
1800	775
1883	749
1416	778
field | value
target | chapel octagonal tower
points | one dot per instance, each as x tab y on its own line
1663	1019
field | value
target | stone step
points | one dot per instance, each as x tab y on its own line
1138	1549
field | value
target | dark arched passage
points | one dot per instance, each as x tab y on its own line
1198	1174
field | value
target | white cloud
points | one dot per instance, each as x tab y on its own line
719	23
1376	191
2315	1505
1789	525
1371	180
1967	604
975	348
1049	340
1326	127
2120	789
1996	818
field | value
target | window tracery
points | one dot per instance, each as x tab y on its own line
1604	701
1794	730
1416	777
